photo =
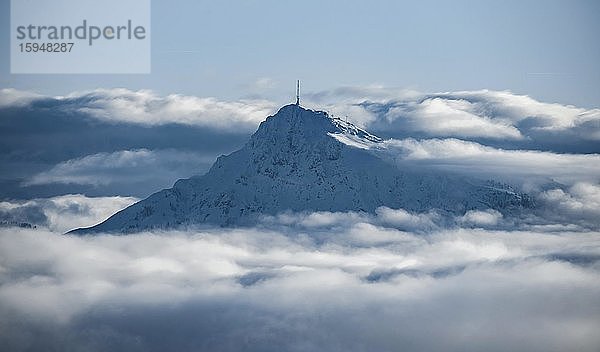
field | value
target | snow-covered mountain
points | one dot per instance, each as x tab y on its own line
305	160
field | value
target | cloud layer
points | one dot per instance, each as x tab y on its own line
146	108
62	213
474	158
126	167
496	118
54	140
344	288
499	117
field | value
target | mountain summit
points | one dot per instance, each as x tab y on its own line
305	160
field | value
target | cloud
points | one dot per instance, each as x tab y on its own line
402	218
521	108
159	167
47	132
384	217
529	167
62	213
497	118
581	202
373	92
345	102
146	108
361	287
442	117
497	114
582	198
13	97
315	219
512	135
489	217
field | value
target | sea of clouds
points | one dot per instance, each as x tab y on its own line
388	281
305	282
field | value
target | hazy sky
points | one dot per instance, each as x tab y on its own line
231	49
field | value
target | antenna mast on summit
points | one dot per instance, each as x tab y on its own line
298	92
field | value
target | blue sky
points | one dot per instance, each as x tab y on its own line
234	49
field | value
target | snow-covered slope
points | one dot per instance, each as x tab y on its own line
304	160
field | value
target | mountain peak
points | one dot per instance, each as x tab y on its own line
305	160
295	115
294	121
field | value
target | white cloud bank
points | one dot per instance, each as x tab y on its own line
504	105
471	157
13	97
63	213
491	114
580	202
452	118
477	115
126	166
489	217
267	290
145	107
309	281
